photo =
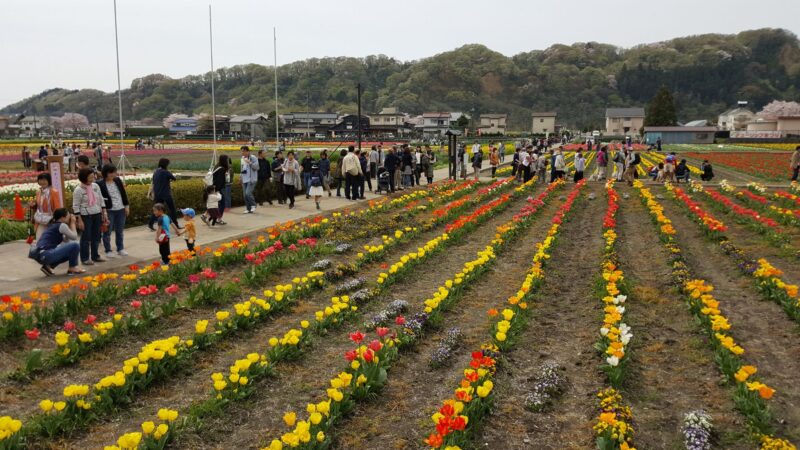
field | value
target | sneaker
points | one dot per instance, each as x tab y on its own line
122	253
110	254
87	263
248	212
100	260
204	219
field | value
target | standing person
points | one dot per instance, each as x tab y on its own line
164	228
477	160
351	170
669	167
68	153
417	164
118	209
390	163
57	244
264	175
189	230
794	163
338	174
408	167
602	163
291	177
162	191
325	171
305	165
501	150
515	162
248	175
46	202
98	154
580	166
374	162
560	165
460	161
87	202
211	198
43	154
632	163
220	181
541	168
277	177
619	164
494	160
524	170
658	143
26	157
229	187
476	147
315	184
362	159
425	165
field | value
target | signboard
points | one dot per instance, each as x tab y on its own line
761	134
56	166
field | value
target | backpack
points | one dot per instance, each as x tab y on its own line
208	179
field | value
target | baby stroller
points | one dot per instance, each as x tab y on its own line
383	180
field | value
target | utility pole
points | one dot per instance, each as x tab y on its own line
359	117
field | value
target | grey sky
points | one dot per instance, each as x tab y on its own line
70	43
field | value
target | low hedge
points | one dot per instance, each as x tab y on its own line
12	231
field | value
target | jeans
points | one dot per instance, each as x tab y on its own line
90	237
222	203
306	182
62	253
249	198
117	224
228	196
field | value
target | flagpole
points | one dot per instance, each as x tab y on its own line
119	100
275	82
213	100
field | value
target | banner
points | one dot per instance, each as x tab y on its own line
56	166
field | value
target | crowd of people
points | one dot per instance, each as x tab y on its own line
70	152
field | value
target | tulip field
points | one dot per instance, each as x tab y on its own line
458	315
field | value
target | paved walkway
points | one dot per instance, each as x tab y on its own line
21	274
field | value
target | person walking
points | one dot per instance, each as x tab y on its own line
477	160
580	166
248	176
338	174
364	162
262	185
211	198
602	163
57	244
515	163
351	170
162	190
619	164
118	208
494	160
632	163
189	231
501	150
87	202
559	165
541	169
291	177
305	165
374	162
46	202
26	157
408	168
794	163
277	177
164	229
220	181
425	166
315	181
325	171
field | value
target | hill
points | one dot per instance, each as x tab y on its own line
707	74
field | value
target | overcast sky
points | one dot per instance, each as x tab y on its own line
70	43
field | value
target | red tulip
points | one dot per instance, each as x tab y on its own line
136	304
350	355
112	310
375	345
32	334
171	289
90	319
382	331
400	320
292	247
368	355
194	278
357	337
69	326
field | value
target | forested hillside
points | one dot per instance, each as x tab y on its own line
707	74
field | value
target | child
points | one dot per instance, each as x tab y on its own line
316	188
188	228
212	198
164	226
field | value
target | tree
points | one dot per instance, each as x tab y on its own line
661	110
462	121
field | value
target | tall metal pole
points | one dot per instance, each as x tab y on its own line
359	117
213	99
275	82
119	100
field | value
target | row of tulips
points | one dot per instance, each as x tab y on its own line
153	436
767	277
750	394
160	359
614	429
373	361
763	204
459	416
78	295
243	375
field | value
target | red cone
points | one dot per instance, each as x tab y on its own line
19	213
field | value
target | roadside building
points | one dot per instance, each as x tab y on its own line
492	124
543	122
624	121
680	135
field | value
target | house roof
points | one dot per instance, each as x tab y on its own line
236	119
494	116
696	123
544	114
680	129
440	115
737	110
624	112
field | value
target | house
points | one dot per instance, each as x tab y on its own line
492	123
735	119
435	123
543	123
680	135
784	124
624	121
205	127
183	126
348	126
32	124
252	126
308	123
389	121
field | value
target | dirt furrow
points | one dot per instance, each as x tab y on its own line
563	327
770	339
667	356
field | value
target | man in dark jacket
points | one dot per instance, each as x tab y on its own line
390	164
264	175
277	177
306	164
325	170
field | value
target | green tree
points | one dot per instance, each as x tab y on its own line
462	122
661	110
